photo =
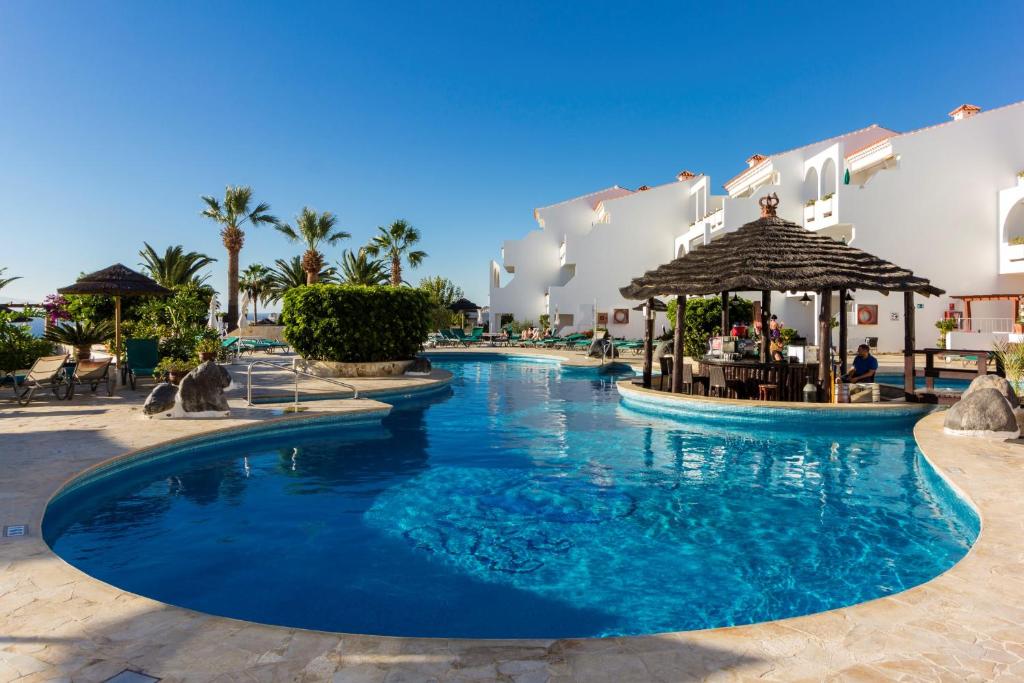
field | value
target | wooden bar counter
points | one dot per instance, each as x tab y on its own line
744	376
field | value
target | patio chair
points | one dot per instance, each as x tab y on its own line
718	383
666	372
48	372
230	346
94	373
141	357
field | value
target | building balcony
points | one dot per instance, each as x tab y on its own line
823	213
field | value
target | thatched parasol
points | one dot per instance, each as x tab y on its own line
461	306
116	281
773	254
659	306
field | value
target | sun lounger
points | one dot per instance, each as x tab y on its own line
94	373
48	372
141	358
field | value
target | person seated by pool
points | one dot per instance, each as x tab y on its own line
864	366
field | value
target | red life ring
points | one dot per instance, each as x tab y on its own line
620	316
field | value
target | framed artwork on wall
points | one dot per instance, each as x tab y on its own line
867	314
620	316
602	318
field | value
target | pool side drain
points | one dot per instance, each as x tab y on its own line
15	531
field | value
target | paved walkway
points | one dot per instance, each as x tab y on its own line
57	623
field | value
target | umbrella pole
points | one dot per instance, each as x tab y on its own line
117	331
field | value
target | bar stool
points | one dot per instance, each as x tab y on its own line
768	392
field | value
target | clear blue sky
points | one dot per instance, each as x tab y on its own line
459	117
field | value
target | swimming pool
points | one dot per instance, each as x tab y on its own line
527	503
919	382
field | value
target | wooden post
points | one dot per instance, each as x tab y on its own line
725	313
968	323
766	305
825	341
117	334
648	342
843	332
908	346
678	346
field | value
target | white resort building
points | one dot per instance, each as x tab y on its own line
946	201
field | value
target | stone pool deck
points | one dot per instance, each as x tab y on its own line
57	623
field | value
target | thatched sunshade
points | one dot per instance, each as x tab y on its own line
117	281
463	304
659	306
773	254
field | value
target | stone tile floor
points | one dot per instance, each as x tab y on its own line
59	624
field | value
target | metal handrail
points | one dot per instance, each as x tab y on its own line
295	371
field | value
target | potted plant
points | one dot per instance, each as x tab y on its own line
80	336
173	370
207	349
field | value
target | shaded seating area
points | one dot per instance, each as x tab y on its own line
768	255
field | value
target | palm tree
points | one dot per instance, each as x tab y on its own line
255	282
175	267
357	268
232	214
289	274
394	242
4	281
313	228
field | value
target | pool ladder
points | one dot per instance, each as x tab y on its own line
296	372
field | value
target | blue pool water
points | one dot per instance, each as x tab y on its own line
940	382
527	502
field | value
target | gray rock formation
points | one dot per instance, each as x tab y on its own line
994	382
982	411
161	399
202	390
420	366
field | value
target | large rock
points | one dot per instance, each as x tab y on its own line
161	399
202	390
420	366
982	412
994	382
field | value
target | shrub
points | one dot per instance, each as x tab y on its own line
704	318
18	348
355	323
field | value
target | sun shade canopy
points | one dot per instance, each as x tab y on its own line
117	280
463	305
773	254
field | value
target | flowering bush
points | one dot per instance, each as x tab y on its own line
56	307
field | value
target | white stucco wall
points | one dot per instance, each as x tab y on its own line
942	208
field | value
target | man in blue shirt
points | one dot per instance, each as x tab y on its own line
864	366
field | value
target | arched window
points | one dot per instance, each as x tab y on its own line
810	189
829	180
1014	228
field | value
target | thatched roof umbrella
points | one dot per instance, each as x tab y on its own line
773	254
657	305
463	305
116	281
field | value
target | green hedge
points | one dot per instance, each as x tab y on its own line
354	323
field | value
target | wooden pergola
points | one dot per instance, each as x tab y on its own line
769	255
